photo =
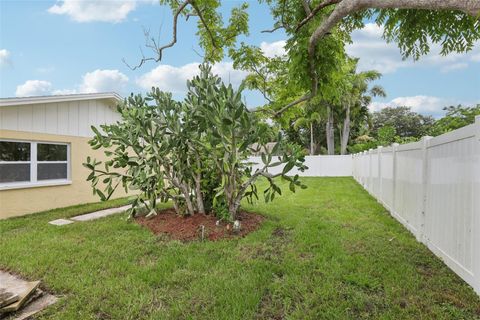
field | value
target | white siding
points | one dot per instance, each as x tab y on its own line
51	117
64	118
25	122
38	124
9	119
83	122
73	118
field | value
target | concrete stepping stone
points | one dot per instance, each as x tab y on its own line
100	214
23	289
30	299
35	306
24	296
60	222
7	298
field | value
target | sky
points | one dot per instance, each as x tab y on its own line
76	46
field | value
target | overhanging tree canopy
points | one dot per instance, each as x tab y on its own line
413	24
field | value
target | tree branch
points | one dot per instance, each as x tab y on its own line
306	7
282	21
347	7
273	29
313	12
200	15
294	103
159	50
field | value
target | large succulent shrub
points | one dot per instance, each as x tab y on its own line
192	152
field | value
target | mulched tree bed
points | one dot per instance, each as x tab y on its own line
188	228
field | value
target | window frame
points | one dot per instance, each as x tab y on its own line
34	182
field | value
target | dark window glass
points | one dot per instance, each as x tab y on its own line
12	172
14	151
51	152
51	171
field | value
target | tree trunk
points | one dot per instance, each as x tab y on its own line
198	189
346	131
190	208
330	131
312	145
188	201
199	194
176	206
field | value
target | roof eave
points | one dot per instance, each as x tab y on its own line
60	98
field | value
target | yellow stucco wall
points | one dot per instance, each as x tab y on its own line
17	202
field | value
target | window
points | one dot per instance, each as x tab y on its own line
14	161
51	161
24	163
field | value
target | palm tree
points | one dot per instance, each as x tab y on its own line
311	115
356	98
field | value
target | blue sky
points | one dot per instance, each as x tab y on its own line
58	47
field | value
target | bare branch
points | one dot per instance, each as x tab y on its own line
264	82
314	12
294	103
153	45
282	19
273	29
188	15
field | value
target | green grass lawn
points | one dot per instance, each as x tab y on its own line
327	252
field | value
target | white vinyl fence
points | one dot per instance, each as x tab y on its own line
318	166
433	188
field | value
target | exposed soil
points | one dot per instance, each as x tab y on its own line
176	227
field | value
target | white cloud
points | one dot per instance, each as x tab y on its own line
454	67
45	70
421	104
375	53
93	82
103	80
174	79
95	10
4	58
64	91
476	57
34	88
272	49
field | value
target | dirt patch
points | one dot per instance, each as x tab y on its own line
271	250
269	308
176	227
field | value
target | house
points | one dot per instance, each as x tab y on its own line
43	143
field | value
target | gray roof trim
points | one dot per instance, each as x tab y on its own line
60	98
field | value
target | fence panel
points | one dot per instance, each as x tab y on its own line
318	166
386	174
408	186
450	197
433	188
375	172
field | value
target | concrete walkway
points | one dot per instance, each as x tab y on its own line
90	216
100	214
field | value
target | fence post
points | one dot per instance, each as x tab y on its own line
394	176
353	166
370	151
380	184
365	177
476	210
421	232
